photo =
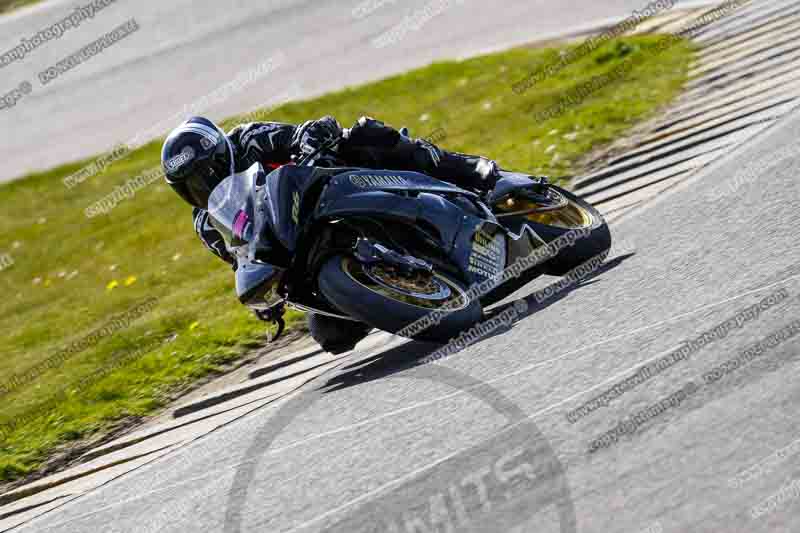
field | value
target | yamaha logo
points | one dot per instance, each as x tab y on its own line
377	180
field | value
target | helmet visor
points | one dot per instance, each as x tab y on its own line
189	194
200	191
197	185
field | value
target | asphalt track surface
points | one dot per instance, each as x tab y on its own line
480	440
185	50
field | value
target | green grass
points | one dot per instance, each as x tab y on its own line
10	5
71	274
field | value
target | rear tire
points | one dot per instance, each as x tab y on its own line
346	284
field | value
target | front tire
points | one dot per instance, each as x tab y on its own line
371	295
578	214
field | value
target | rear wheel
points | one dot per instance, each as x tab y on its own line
572	213
382	298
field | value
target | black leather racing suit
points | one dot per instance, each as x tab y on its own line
374	146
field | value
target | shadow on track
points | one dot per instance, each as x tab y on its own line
410	354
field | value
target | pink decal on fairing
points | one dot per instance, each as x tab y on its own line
240	223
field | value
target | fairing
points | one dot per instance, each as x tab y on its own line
476	245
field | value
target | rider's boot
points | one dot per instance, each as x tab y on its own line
336	335
377	145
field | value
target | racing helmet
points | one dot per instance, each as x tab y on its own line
196	157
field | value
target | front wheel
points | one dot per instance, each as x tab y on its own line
430	307
573	213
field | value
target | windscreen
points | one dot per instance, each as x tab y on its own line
231	207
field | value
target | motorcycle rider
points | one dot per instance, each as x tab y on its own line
198	155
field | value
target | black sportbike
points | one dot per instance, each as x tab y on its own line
392	248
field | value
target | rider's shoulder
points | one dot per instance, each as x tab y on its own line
254	126
244	131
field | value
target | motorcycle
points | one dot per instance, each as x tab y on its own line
393	248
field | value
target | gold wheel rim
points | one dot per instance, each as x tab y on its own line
432	292
571	216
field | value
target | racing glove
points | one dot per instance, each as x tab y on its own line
368	132
312	134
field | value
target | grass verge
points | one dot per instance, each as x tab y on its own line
77	358
10	5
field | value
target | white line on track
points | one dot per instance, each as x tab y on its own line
216	473
534	366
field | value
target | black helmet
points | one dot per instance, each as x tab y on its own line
196	157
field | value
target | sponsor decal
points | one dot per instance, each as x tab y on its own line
240	224
488	254
181	159
384	180
296	207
